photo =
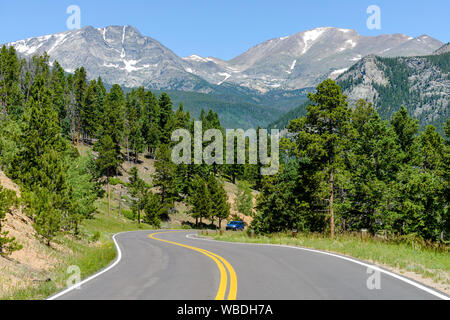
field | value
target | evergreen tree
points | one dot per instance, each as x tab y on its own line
153	210
113	120
11	96
431	149
90	111
60	96
322	137
43	207
244	199
84	189
418	207
40	134
406	130
218	199
150	123
138	191
200	200
278	208
79	88
374	163
7	244
166	118
134	125
165	177
107	162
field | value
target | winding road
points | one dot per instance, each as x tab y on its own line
176	265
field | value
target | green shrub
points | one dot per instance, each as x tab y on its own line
95	237
129	214
115	181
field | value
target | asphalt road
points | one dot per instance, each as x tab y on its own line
167	265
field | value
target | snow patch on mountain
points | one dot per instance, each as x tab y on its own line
226	75
311	36
336	73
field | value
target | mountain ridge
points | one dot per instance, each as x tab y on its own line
121	54
421	84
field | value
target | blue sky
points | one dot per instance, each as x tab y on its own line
224	28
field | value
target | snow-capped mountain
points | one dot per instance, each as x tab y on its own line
306	58
121	54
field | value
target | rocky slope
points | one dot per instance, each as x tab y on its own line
422	84
29	265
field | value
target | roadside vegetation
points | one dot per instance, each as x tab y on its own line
425	262
91	251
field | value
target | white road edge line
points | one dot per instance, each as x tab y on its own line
118	258
373	267
79	284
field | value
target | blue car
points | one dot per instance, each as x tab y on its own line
235	226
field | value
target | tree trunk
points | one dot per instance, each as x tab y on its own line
128	152
120	203
109	196
73	131
331	204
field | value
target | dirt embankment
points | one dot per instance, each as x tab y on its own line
30	264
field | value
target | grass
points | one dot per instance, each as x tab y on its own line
412	256
91	252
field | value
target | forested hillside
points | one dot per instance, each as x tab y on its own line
346	170
421	84
46	114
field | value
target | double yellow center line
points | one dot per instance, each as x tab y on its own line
224	266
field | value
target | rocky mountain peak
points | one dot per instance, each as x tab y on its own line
121	54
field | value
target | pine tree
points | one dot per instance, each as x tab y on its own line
11	97
200	200
60	96
43	207
166	118
89	112
244	199
84	189
113	120
431	149
322	136
138	191
7	244
79	88
373	163
153	210
134	125
406	129
107	162
40	135
165	177
150	123
218	199
280	207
